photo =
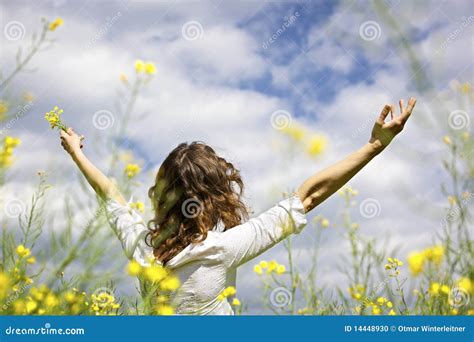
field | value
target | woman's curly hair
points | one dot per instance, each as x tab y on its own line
194	190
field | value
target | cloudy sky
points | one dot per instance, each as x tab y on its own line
224	68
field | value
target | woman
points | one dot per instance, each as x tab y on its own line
199	229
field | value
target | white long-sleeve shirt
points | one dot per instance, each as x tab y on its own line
207	268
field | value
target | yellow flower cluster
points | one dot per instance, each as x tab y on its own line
145	67
138	206
156	274
437	289
103	303
347	192
314	144
75	301
55	24
54	118
6	151
417	260
392	266
380	305
229	292
40	301
131	170
357	292
270	267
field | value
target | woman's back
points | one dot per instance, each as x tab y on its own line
206	268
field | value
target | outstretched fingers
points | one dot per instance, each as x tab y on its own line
409	109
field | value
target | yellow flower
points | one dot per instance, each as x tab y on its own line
435	254
170	284
55	23
316	145
263	264
220	297
466	284
31	260
131	170
134	268
139	66
416	262
11	142
294	131
389	304
4	285
280	269
31	306
51	300
54	118
138	206
445	289
376	310
381	300
392	313
258	269
325	223
155	273
447	140
272	266
229	291
150	68
434	289
235	302
22	251
164	310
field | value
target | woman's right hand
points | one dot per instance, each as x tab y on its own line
70	141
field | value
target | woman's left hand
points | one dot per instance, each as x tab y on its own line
383	132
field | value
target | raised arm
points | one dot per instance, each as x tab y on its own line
323	184
102	185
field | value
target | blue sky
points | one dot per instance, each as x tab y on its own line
223	87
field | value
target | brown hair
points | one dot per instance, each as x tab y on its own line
194	190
